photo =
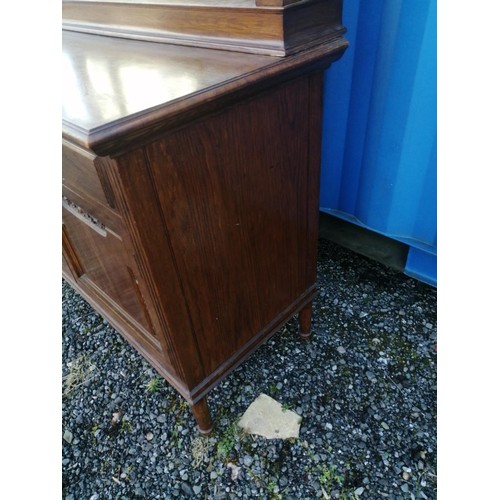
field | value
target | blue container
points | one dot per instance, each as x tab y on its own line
379	127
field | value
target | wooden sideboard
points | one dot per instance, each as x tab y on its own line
190	197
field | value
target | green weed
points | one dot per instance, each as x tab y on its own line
153	385
227	441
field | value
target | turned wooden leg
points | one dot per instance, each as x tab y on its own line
305	315
202	416
305	321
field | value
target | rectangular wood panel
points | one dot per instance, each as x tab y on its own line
98	257
244	26
85	183
234	193
80	175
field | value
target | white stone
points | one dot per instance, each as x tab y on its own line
68	436
266	417
235	470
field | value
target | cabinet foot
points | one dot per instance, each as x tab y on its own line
305	316
202	416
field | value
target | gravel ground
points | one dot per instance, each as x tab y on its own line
365	385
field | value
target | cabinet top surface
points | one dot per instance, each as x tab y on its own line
106	79
247	4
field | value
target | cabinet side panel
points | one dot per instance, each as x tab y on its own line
313	181
233	190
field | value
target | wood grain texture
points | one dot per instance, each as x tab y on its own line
104	262
237	26
234	204
305	317
313	181
128	328
71	264
190	217
102	270
85	183
219	206
184	83
202	416
275	3
152	249
323	18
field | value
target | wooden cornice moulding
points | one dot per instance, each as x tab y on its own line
271	27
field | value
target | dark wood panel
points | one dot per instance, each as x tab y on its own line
247	349
234	194
71	264
98	256
151	246
313	181
275	3
213	27
236	26
129	329
85	183
79	173
184	83
322	17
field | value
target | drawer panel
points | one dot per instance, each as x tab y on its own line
97	257
66	267
85	183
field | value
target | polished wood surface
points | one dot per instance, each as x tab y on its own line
190	197
236	4
102	260
275	3
267	27
105	106
86	184
305	317
249	204
202	416
104	78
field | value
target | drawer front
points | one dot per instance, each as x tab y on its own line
97	257
85	183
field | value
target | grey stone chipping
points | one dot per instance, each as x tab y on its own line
368	414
